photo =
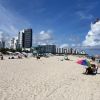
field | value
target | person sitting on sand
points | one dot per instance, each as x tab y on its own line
1	57
94	65
25	56
19	56
93	68
12	57
66	57
38	57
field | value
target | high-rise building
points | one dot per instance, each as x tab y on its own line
25	38
17	44
20	37
46	49
2	44
13	43
51	49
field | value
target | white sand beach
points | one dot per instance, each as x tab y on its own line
47	79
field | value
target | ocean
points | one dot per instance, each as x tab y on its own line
92	52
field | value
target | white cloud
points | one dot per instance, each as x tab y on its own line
0	35
73	45
93	36
78	45
43	38
64	45
3	36
10	23
7	20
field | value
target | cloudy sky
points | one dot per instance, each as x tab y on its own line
61	22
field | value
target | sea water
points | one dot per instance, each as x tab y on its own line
92	52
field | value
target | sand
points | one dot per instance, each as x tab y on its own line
47	79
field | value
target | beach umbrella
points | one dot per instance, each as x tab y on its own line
84	62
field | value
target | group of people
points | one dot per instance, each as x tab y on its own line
12	57
93	68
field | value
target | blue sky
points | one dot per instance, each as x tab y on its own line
61	22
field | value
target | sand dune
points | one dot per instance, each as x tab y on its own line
47	79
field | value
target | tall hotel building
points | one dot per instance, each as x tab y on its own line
2	44
47	49
13	43
25	39
20	37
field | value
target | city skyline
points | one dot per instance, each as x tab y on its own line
64	23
